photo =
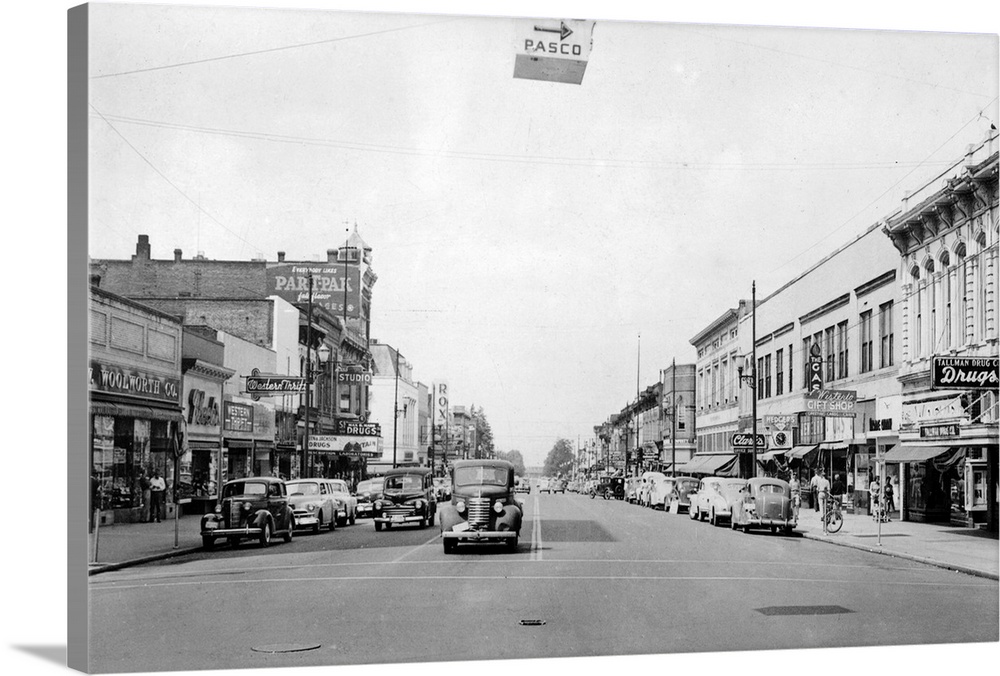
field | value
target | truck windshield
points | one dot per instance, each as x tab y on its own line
479	476
406	482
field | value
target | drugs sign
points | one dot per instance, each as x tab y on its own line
553	50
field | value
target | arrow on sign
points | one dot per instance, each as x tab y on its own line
563	30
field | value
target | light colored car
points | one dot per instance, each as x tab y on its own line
521	485
715	498
442	485
766	503
313	503
367	493
545	485
643	486
659	488
348	512
681	493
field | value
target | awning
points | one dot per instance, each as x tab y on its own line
707	464
764	457
133	411
800	452
904	453
834	445
239	443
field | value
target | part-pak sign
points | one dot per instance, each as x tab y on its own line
552	49
336	288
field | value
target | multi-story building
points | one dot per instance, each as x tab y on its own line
394	407
677	415
946	234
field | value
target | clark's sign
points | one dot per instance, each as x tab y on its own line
365	447
966	373
742	440
830	403
552	49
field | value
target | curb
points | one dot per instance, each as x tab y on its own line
107	567
909	557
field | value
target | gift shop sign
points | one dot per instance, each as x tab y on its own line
120	380
966	373
332	285
830	403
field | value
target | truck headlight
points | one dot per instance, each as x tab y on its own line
460	506
311	508
498	506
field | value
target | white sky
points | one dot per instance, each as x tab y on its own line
525	233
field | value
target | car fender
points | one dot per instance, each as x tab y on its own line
260	517
448	517
510	517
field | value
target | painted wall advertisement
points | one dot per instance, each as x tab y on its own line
291	282
366	447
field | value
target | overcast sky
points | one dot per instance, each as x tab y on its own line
524	233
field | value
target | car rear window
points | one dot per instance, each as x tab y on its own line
308	488
244	488
369	486
480	476
771	488
405	482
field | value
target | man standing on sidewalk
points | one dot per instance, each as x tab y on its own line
144	487
157	488
822	487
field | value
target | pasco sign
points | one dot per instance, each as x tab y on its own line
552	49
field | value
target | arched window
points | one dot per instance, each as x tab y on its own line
961	300
947	273
980	285
931	282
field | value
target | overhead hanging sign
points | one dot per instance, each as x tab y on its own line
966	373
552	49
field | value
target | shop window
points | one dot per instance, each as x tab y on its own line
866	341
831	372
842	350
779	373
886	348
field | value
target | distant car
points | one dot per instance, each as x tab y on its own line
766	503
408	497
348	512
442	485
715	498
522	485
557	486
483	507
643	488
659	488
254	507
313	503
367	493
610	488
680	493
545	485
632	485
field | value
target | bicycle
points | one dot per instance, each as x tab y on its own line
834	518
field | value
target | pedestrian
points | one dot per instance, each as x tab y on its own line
814	489
157	489
822	491
145	497
874	493
793	483
890	501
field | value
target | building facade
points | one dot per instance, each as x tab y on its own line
678	420
394	407
946	235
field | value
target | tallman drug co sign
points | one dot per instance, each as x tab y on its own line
552	49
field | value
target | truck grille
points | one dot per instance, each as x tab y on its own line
398	510
234	514
479	511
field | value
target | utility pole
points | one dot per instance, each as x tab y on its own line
638	357
673	417
395	411
306	469
753	328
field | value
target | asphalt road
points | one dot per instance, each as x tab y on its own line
590	577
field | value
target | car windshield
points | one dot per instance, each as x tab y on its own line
771	488
306	488
369	486
244	488
404	482
480	476
687	485
339	486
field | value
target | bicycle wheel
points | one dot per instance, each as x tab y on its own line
834	520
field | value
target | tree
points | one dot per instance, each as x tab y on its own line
560	458
515	458
483	434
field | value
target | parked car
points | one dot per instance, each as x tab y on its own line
483	507
367	493
643	489
522	485
407	497
680	493
612	487
557	485
442	485
313	503
715	498
255	507
545	485
659	487
766	503
348	512
632	485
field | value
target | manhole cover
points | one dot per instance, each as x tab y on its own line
285	648
531	623
803	610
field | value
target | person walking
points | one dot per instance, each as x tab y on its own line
144	488
157	489
874	490
822	492
793	483
814	489
889	498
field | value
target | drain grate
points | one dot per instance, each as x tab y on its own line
531	623
285	648
803	610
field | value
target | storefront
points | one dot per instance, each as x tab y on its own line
200	471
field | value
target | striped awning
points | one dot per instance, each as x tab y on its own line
907	453
800	452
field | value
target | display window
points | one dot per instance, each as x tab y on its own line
121	449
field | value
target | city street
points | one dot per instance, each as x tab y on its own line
590	577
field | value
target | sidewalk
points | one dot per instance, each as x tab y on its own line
126	544
968	550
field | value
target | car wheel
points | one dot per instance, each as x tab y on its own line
732	523
512	545
431	520
378	526
774	529
287	537
449	546
423	524
265	534
693	514
207	542
712	519
318	524
788	530
333	523
746	528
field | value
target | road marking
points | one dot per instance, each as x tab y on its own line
410	551
536	532
591	578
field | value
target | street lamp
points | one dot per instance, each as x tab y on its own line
751	378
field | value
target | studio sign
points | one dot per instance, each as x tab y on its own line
966	373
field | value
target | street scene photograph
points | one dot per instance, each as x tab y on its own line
418	337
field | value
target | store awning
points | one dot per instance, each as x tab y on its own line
764	457
834	446
707	464
906	453
800	452
133	411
